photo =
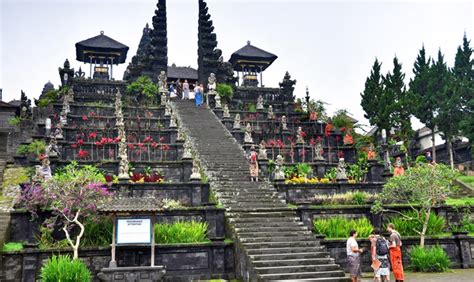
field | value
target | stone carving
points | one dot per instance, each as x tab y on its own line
371	152
122	151
162	86
58	131
38	177
262	151
226	113
270	114
248	134
236	121
218	101
299	135
318	152
45	168
279	174
284	125
260	103
195	175
341	170
173	121
211	82
164	98
187	152
52	149
167	110
181	136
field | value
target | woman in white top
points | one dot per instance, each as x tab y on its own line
353	256
185	89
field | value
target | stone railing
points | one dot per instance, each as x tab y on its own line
269	95
91	90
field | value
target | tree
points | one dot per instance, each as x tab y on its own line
425	103
73	195
401	108
422	187
372	97
464	76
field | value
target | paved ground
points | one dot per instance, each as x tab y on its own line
455	275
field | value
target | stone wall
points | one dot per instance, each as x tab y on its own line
460	249
183	262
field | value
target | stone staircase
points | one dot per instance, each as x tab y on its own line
271	241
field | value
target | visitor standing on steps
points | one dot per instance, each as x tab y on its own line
395	251
353	256
379	255
185	90
253	164
198	95
172	92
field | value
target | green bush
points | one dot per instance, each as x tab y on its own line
22	149
97	233
64	269
225	91
349	198
432	259
339	227
181	232
49	98
409	223
12	247
14	121
15	176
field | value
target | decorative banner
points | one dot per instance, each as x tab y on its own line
134	231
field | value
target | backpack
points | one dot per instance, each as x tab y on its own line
381	247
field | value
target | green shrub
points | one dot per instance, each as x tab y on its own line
64	269
339	227
181	232
225	91
15	176
22	149
251	108
46	240
432	259
331	174
14	121
12	247
49	98
97	233
409	223
37	147
349	198
304	170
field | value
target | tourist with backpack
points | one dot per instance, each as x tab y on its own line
379	254
396	253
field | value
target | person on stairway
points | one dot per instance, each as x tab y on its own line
172	91
198	95
353	256
396	253
185	90
253	164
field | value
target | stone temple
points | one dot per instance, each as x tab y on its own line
158	149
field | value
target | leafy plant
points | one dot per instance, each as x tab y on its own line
225	91
97	232
13	247
342	120
144	89
22	149
251	108
181	232
65	269
349	198
47	241
15	121
339	227
290	171
432	259
304	170
37	147
15	176
410	223
331	174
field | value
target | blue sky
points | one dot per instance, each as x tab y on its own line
328	46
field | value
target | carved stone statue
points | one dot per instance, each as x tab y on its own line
52	149
173	121
299	135
123	168
317	152
181	136
195	175
218	101
371	152
284	125
162	86
260	103
164	98
187	153
341	170
167	110
226	113
58	131
270	114
45	169
262	151
248	134
236	121
37	177
279	174
211	82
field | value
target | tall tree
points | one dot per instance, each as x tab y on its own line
372	98
425	103
442	85
464	76
401	108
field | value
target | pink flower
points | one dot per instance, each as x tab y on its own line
84	118
93	135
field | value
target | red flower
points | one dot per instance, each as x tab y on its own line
303	134
92	114
348	140
108	178
98	143
42	157
311	142
162	139
271	143
84	118
117	139
154	145
280	144
93	135
328	128
74	146
136	176
80	142
165	147
343	129
140	145
319	138
131	146
83	154
148	139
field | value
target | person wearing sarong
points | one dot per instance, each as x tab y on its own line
198	96
185	90
253	164
353	256
395	252
379	257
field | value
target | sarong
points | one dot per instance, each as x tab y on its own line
353	263
396	262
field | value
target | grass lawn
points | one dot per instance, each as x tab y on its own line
469	180
460	202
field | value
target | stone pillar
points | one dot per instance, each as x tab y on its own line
462	240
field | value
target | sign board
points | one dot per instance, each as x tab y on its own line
134	231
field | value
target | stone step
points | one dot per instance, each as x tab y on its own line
275	220
289	256
271	214
322	276
279	234
267	239
264	229
285	250
268	245
294	262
